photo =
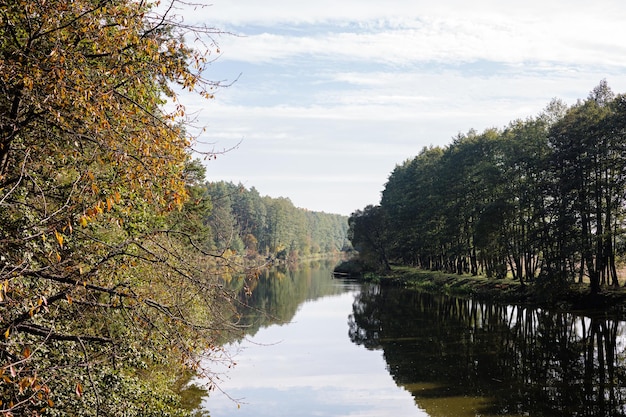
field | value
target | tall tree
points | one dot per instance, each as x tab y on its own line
526	188
412	201
472	185
588	164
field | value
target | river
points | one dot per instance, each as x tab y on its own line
319	346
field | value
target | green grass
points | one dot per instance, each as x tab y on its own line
570	297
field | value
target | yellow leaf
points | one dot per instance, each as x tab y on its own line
26	352
59	237
79	389
7	333
83	221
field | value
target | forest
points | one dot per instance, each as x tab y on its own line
539	201
244	222
114	247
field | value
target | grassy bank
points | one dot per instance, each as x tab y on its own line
571	297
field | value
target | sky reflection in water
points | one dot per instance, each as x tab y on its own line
310	367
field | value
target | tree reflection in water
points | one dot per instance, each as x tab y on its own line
523	361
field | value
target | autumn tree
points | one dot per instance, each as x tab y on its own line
94	282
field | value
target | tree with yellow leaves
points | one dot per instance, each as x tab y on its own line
95	289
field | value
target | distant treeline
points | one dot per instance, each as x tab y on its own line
541	199
241	220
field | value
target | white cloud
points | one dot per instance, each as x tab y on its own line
448	32
299	12
333	94
438	41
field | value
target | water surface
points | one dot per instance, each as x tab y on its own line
327	347
308	366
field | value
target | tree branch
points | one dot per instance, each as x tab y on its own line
51	334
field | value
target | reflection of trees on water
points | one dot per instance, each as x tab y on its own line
273	297
526	361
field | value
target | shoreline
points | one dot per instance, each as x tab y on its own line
573	298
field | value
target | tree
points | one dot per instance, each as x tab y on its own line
472	189
542	198
96	282
588	162
271	225
411	199
368	234
526	152
223	223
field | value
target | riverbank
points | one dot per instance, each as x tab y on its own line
572	297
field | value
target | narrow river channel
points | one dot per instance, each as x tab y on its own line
319	346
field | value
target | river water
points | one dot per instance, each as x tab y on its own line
318	346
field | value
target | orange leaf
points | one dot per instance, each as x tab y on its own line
59	237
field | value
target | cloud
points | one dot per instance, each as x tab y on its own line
346	90
436	42
401	35
367	12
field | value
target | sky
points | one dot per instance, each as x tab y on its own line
325	98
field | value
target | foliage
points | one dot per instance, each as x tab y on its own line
104	277
369	235
245	222
542	199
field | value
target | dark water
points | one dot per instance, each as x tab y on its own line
510	360
335	348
